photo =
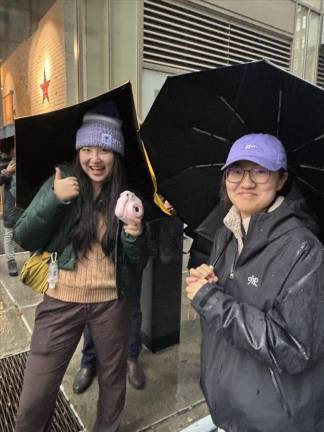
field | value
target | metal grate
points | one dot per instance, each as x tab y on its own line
320	69
181	37
11	379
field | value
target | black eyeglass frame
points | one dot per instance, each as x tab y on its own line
250	171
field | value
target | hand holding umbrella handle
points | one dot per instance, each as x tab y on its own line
11	167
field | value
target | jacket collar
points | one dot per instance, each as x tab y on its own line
239	227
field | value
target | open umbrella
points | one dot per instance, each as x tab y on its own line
45	140
197	116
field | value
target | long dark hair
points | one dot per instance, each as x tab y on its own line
86	231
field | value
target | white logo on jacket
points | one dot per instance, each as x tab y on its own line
253	280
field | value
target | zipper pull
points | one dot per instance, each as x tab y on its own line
231	274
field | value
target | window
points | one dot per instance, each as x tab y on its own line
306	43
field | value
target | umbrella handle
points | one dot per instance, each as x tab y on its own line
156	197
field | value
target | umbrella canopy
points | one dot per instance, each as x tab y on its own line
46	140
197	116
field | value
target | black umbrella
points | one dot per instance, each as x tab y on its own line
197	116
45	140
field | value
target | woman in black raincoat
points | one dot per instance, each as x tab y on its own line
261	300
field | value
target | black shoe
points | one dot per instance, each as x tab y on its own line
136	375
83	379
12	267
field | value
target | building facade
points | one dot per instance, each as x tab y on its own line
58	53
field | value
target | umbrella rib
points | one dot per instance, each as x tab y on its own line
311	167
212	135
177	175
307	143
309	185
237	115
211	165
206	165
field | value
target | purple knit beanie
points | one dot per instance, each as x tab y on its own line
101	127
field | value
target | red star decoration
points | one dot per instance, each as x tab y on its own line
44	87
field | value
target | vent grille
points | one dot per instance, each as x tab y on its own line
11	379
320	70
179	37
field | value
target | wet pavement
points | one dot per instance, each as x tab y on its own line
172	399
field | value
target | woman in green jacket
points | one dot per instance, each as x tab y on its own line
99	262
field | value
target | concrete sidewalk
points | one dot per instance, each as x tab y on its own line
172	399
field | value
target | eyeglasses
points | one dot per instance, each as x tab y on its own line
257	175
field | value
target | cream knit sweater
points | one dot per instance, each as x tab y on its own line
92	280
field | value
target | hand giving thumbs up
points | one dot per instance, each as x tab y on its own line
66	188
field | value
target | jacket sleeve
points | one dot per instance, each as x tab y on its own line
40	221
135	249
290	335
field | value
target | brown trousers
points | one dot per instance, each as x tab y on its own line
58	328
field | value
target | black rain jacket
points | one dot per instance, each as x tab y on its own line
262	362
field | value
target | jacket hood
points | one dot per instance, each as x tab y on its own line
292	214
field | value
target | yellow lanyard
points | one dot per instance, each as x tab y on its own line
156	197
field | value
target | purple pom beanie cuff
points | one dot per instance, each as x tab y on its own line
100	131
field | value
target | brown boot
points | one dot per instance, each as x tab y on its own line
136	375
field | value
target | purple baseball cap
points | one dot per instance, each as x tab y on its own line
263	149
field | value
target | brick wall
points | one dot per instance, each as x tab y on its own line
23	71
